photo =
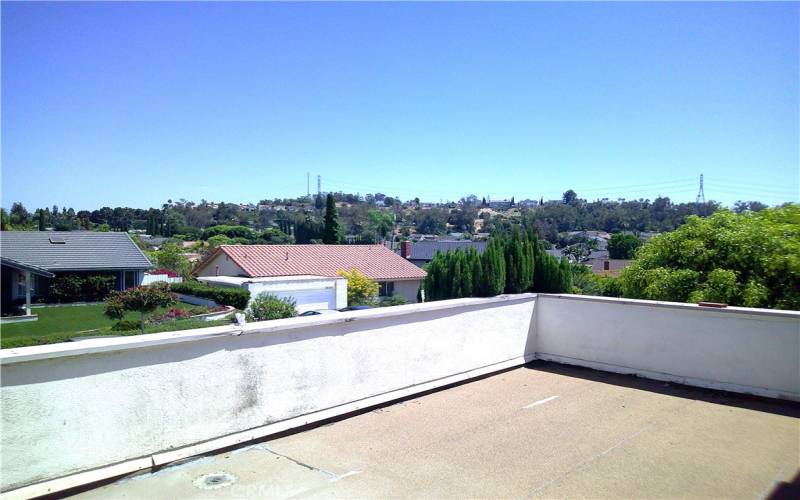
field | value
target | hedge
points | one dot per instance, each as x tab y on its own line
236	297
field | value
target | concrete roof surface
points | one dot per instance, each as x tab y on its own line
543	430
73	250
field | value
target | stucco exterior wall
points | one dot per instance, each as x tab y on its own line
110	400
754	351
407	289
226	267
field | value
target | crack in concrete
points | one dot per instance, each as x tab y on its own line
332	475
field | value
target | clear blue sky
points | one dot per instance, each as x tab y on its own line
132	104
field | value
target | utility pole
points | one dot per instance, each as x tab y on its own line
701	198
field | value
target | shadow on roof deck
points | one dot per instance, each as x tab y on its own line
756	403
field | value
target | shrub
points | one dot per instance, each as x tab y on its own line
125	325
267	306
360	289
235	297
98	286
142	299
394	300
66	288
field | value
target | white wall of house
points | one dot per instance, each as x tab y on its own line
221	265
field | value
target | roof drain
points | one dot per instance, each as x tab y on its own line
214	481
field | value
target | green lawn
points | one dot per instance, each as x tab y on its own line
58	324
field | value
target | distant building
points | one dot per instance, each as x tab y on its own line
31	259
420	253
394	274
499	204
611	267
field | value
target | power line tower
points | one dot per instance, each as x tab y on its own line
319	185
701	197
308	185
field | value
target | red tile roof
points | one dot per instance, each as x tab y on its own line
376	261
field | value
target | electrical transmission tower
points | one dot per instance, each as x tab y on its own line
319	185
701	198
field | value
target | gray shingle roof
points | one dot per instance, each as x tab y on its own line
80	250
424	250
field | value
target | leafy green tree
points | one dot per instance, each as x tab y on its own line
19	215
141	299
218	240
229	231
569	197
5	220
275	236
623	246
431	222
41	216
171	257
749	259
361	290
331	234
381	221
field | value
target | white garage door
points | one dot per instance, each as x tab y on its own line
323	297
308	300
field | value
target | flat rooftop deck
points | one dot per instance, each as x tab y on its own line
543	430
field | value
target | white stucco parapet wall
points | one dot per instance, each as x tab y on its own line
74	413
80	412
738	349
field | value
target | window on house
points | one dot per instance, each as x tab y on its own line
386	288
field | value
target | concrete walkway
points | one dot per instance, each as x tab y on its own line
544	430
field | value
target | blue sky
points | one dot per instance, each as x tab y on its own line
132	104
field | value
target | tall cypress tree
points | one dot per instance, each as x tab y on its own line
41	220
464	272
514	263
494	269
565	275
331	234
474	262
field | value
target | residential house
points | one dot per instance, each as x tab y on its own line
499	204
421	252
395	275
612	267
30	259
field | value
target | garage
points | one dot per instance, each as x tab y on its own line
309	292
